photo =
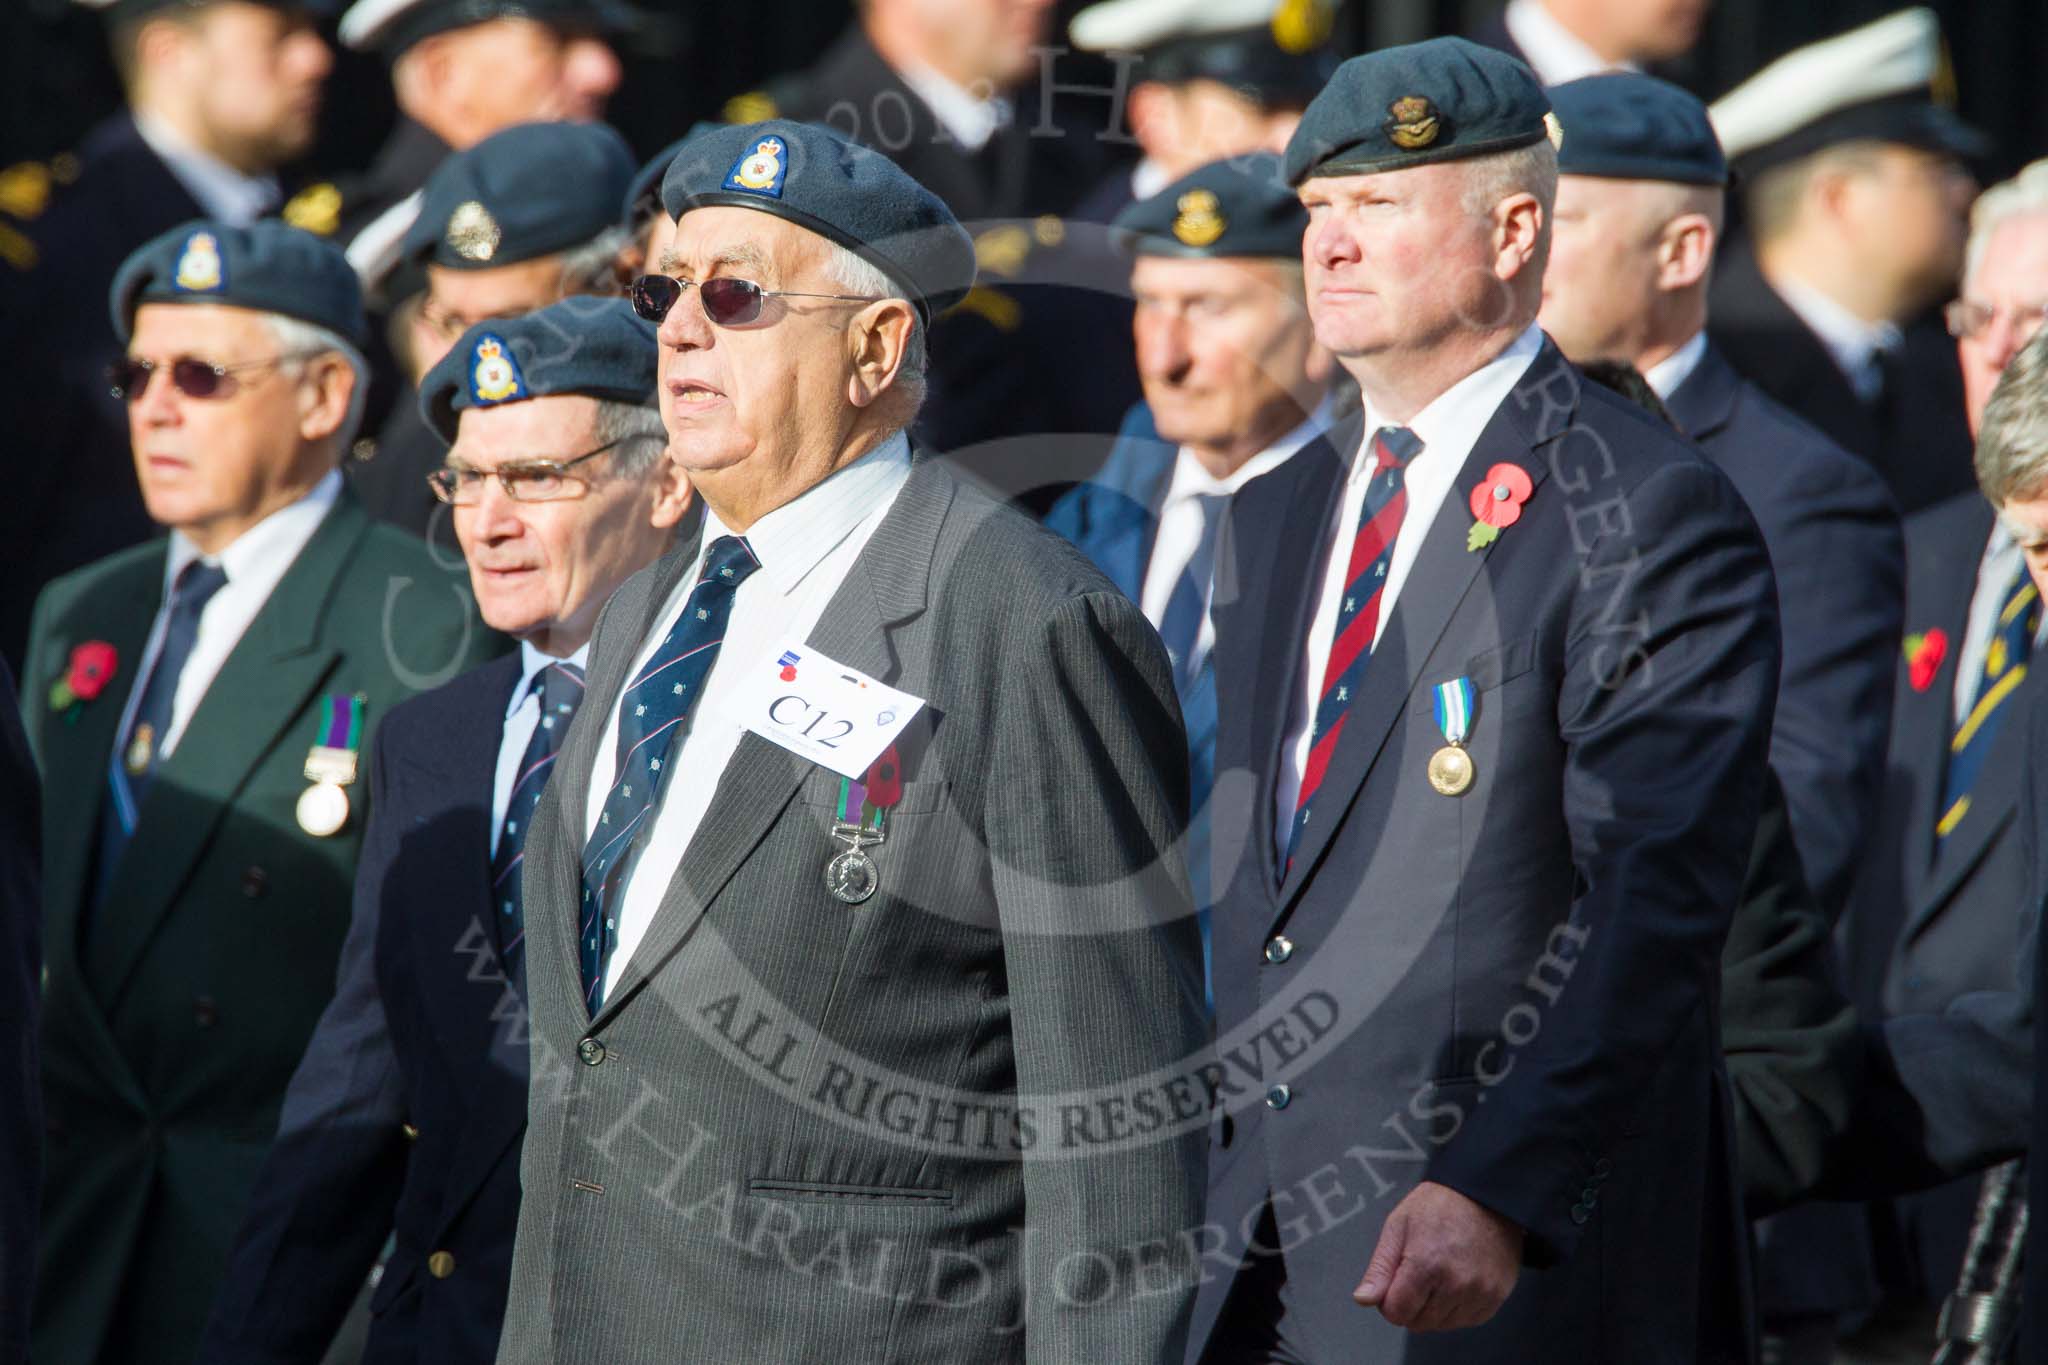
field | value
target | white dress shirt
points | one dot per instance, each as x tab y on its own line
1554	52
1180	518
967	118
2001	566
1666	375
253	564
806	548
522	713
223	193
1448	429
1853	343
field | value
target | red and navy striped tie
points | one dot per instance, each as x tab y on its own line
1358	616
559	687
652	709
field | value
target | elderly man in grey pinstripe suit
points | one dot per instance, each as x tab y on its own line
903	1066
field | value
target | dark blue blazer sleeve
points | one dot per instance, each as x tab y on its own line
21	966
1668	678
324	1201
1839	559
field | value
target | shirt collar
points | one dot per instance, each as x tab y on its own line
1191	479
222	191
1666	375
531	662
796	537
971	121
1455	417
1853	342
1554	52
260	555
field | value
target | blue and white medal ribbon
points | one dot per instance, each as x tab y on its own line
1450	768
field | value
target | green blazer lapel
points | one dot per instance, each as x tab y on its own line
258	700
75	755
887	586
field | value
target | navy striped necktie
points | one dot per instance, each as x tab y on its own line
2005	666
560	688
652	709
1180	626
1358	615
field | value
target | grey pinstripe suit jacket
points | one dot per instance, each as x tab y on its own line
799	1130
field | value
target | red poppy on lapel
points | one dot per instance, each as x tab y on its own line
1497	503
91	669
1924	654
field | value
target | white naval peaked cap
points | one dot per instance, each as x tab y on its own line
1133	25
365	21
1877	82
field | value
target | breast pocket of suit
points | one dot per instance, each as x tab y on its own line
929	851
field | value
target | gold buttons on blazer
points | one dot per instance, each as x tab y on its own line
441	1264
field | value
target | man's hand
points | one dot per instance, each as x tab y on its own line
1442	1262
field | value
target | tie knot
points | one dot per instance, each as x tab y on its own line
196	585
728	560
561	687
1396	446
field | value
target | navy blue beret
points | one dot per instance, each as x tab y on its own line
588	345
643	196
392	26
815	178
1626	126
523	192
267	266
1409	106
1240	206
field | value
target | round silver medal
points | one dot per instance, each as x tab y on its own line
851	876
323	809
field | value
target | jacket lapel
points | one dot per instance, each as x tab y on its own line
1995	793
887	586
1443	572
268	680
1705	402
75	755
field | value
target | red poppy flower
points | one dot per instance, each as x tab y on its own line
1924	654
1498	498
92	668
885	780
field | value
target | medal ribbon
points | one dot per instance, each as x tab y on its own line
866	803
341	724
1454	701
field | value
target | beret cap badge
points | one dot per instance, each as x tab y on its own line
199	265
473	232
1200	220
494	375
1412	123
761	170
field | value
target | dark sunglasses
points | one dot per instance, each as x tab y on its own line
128	377
727	301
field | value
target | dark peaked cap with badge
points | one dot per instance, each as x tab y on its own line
818	180
592	346
1432	101
267	266
1240	206
126	11
1622	125
523	192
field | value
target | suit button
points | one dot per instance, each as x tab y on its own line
441	1264
411	1131
1278	949
1580	1213
254	882
1279	1097
1602	1168
205	1012
591	1051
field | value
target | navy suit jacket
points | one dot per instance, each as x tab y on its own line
1513	992
1833	536
1916	435
407	1113
21	995
1114	520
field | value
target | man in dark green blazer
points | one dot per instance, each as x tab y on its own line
198	706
